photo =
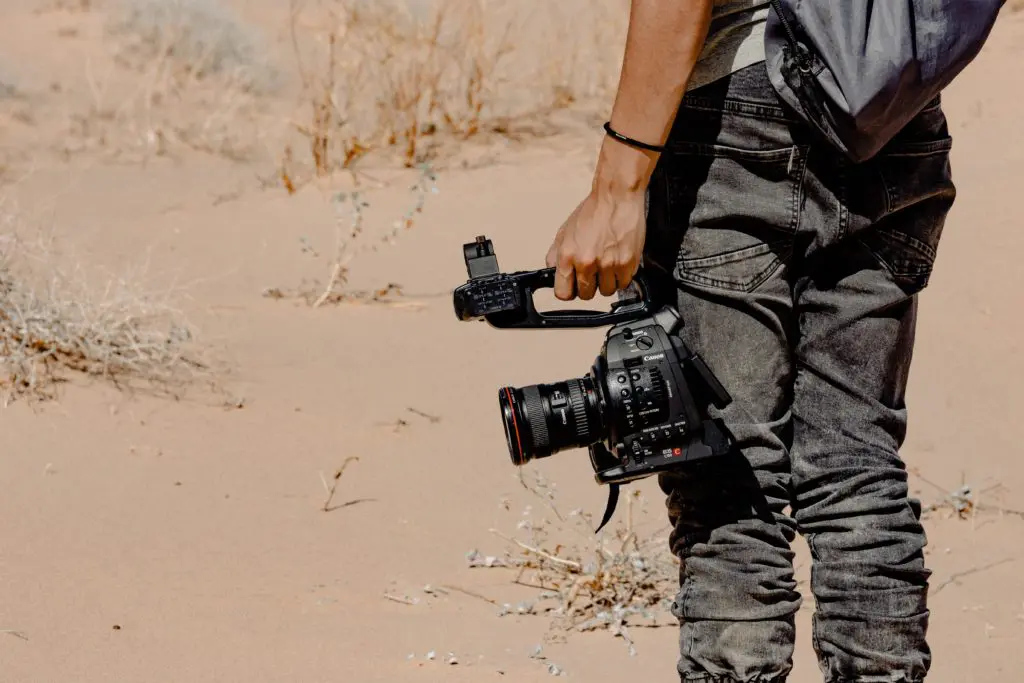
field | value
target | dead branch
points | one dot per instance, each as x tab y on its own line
332	487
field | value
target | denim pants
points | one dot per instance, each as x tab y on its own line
797	275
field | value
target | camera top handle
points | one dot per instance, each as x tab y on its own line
505	300
633	304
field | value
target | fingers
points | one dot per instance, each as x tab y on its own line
565	277
614	272
586	278
624	274
596	249
580	274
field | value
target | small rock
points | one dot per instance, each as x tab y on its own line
554	669
431	655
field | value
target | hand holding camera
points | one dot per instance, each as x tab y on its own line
641	408
588	260
599	246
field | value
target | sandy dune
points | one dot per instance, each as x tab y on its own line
148	540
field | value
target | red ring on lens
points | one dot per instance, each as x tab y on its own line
511	410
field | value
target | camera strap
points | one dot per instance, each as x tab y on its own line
609	508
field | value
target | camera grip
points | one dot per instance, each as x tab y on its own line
505	300
626	309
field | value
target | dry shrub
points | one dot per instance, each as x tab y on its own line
55	321
351	240
187	74
390	75
589	581
579	69
194	40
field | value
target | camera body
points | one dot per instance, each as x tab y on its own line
640	410
651	381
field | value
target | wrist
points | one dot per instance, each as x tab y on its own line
622	169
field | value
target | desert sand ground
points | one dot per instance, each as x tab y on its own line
151	539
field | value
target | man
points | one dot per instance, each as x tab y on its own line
797	276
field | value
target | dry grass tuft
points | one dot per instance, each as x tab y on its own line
187	75
194	40
55	321
965	501
413	80
591	582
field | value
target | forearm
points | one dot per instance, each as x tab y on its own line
663	43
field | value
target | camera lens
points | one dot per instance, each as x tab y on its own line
542	419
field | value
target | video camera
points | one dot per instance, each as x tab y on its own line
638	410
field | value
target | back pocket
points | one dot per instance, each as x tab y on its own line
917	193
734	212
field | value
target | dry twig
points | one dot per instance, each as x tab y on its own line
350	242
956	576
333	485
588	585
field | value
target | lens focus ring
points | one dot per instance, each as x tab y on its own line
579	409
535	414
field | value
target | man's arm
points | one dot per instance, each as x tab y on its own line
601	242
663	43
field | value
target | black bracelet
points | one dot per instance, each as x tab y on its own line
630	141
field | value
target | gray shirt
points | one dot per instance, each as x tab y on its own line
735	40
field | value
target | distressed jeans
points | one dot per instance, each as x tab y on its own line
797	276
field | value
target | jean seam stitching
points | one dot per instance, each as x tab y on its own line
746	286
738	107
798	186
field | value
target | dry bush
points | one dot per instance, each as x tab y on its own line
390	75
193	40
589	581
352	240
56	321
187	74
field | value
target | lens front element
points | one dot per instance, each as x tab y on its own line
542	419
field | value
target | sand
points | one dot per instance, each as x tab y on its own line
154	540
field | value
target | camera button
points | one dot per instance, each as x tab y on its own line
625	393
621	379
